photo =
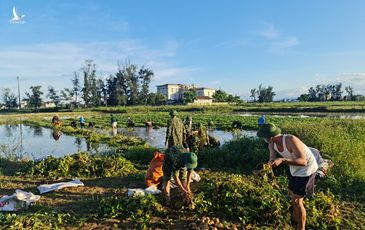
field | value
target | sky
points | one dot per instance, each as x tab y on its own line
233	45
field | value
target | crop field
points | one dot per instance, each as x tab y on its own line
237	190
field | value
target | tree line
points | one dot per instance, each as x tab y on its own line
128	86
330	92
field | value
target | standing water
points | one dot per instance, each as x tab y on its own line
20	141
156	137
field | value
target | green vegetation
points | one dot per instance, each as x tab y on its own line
235	191
82	165
39	219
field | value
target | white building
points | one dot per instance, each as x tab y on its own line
175	92
202	91
203	100
172	92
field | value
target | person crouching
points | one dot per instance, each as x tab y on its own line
178	164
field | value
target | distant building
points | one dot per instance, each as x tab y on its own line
175	92
203	100
23	103
48	104
202	91
172	92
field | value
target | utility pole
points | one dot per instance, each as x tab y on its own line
19	106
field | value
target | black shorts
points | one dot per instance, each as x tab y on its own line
297	184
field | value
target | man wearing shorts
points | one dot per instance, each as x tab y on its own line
302	165
179	165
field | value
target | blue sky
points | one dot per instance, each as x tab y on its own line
234	45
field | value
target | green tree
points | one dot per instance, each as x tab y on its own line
35	97
151	99
53	95
253	94
8	98
160	99
220	96
89	72
189	96
265	94
350	93
102	92
76	86
304	97
145	76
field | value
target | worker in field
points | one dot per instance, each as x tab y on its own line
261	120
210	124
82	122
302	166
56	120
203	136
178	164
130	122
175	133
188	123
113	121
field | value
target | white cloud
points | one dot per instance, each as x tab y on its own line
276	40
54	63
355	80
286	43
290	93
270	32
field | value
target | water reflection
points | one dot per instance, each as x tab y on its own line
37	131
38	142
156	137
56	134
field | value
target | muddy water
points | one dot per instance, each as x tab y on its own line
36	142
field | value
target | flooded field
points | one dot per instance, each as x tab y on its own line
156	137
37	142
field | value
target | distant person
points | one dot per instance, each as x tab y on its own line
56	120
188	123
261	120
73	124
130	122
302	165
210	124
148	124
175	133
113	121
82	122
237	125
179	165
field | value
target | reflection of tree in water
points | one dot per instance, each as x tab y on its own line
78	142
92	146
12	150
8	130
37	131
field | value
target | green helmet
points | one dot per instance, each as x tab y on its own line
190	160
268	130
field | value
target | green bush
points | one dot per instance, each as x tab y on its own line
138	209
82	165
243	154
259	201
140	155
38	220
